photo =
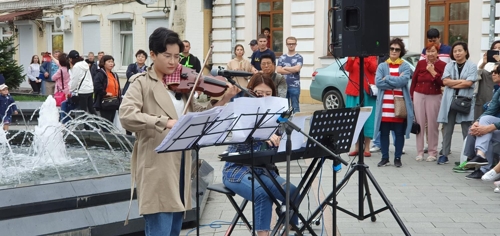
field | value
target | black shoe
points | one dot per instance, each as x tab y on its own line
384	162
476	161
477	174
426	150
397	163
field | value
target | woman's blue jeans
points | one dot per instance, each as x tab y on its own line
163	223
66	107
263	203
376	141
399	138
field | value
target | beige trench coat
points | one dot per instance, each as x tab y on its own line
145	110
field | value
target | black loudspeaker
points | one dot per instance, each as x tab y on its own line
360	28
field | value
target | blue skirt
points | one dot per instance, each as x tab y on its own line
352	101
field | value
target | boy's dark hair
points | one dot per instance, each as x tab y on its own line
267	55
103	60
401	44
63	59
432	33
267	28
139	52
459	43
161	37
262	36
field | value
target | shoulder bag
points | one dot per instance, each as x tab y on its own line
461	104
74	97
59	96
399	106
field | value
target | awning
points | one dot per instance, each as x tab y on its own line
11	16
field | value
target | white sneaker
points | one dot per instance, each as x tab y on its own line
374	149
404	151
491	175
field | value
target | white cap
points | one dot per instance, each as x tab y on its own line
3	86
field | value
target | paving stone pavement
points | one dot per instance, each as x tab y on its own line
429	198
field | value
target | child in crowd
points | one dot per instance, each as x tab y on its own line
6	109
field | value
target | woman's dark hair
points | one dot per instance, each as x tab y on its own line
33	59
267	55
75	60
139	52
401	44
496	70
261	78
63	59
103	60
162	37
238	45
493	44
464	46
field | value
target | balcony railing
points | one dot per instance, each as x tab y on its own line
42	4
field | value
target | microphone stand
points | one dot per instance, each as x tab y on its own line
289	127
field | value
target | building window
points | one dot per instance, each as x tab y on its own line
270	15
450	17
5	32
56	42
124	49
91	34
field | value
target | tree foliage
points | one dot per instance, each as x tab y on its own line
12	72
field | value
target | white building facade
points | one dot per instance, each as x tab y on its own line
307	20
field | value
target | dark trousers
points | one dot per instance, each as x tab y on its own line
86	103
399	138
108	115
36	86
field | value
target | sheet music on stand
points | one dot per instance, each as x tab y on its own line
243	118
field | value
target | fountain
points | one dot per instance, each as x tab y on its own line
61	179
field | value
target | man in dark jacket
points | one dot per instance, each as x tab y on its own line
189	60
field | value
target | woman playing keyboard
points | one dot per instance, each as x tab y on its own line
238	177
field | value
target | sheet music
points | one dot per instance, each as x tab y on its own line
187	129
299	119
218	131
245	105
364	113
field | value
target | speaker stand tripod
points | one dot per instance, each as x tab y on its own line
365	174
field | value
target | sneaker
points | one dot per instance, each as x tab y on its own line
375	149
426	150
404	151
384	162
497	189
477	161
462	169
477	174
491	175
442	160
431	159
397	162
418	158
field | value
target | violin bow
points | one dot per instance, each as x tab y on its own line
190	98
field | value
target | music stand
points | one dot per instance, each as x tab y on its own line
191	131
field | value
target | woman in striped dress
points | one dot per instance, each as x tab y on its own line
392	81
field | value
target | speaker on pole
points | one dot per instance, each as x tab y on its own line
360	28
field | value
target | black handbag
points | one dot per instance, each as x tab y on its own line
461	104
110	104
415	128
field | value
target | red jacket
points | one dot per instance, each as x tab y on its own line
422	80
352	66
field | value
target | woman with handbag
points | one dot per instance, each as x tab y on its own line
456	106
425	91
394	109
352	95
107	89
81	85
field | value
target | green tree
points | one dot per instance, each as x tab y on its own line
12	72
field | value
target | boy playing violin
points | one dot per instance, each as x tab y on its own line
150	109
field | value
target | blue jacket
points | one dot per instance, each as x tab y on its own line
392	82
5	102
493	108
47	67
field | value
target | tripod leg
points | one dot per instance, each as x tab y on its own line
387	202
369	199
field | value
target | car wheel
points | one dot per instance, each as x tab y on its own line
333	100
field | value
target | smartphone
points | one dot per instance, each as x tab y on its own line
490	54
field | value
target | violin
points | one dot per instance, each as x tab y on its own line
211	86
